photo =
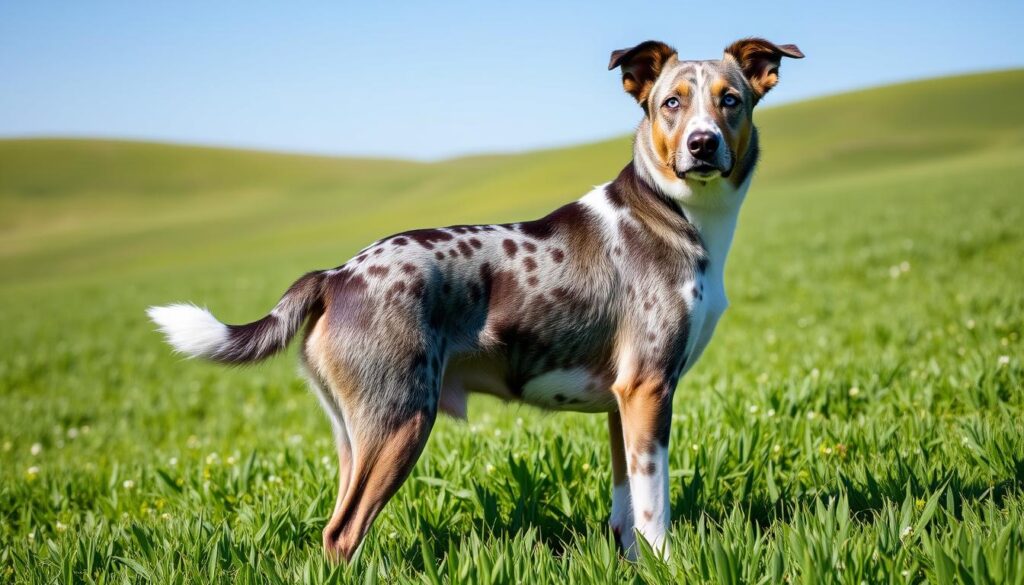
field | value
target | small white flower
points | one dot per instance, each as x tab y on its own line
777	448
128	484
212	458
35	449
907	531
519	422
192	442
165	516
295	439
86	429
815	373
325	460
894	271
60	526
173	461
904	266
854	392
811	414
771	412
753	409
586	467
970	323
695	447
230	460
1004	360
72	433
32	472
8	445
497	432
489	468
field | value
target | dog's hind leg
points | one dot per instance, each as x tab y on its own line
384	452
331	406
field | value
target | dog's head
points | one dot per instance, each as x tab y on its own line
699	112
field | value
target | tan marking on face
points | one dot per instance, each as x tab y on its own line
718	87
665	144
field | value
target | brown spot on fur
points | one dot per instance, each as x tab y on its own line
510	247
453	253
529	247
530	264
466	250
648	515
418	287
439	255
428	237
399	241
557	255
408	268
377	270
532	281
475	242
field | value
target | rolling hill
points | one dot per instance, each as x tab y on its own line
87	209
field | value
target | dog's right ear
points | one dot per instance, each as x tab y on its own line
641	66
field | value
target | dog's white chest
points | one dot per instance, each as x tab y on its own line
706	302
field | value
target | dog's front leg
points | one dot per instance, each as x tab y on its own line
621	519
645	407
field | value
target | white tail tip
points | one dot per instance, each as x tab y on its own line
190	329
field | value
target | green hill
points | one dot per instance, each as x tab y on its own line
88	208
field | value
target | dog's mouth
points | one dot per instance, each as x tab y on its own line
702	172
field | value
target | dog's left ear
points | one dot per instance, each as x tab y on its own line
641	66
759	59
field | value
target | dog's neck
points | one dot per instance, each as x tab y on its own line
712	208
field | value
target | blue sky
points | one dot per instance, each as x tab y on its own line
433	79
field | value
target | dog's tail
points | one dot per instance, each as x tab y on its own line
197	333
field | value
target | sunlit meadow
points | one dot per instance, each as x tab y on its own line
859	417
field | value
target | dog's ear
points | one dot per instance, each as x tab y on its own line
759	60
641	66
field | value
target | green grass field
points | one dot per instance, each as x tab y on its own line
859	416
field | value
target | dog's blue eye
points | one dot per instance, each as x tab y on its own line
730	101
672	103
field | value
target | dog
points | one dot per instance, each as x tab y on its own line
601	306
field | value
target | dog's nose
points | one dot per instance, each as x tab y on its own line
702	144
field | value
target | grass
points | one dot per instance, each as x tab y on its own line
858	417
